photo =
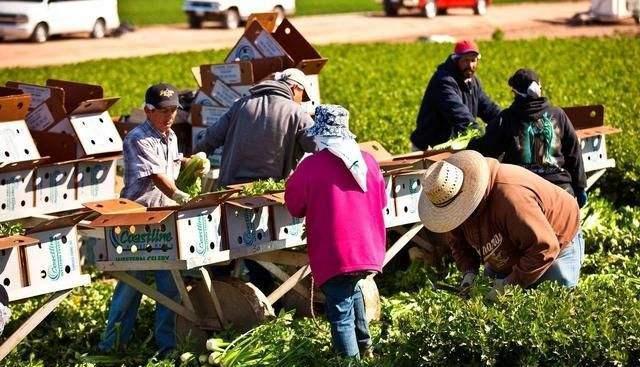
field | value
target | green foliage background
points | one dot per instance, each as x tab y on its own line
382	85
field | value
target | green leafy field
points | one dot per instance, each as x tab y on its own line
382	85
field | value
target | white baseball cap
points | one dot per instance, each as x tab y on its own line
296	76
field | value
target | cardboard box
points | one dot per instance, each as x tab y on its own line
286	43
55	187
588	122
56	256
18	156
191	233
407	190
286	227
11	272
39	94
247	223
96	179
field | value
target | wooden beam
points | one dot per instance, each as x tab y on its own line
214	297
289	284
417	239
157	296
283	257
283	276
184	295
401	242
32	322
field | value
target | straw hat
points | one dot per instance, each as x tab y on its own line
452	190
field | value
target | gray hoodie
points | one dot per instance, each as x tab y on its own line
263	135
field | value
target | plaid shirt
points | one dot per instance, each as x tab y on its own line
147	152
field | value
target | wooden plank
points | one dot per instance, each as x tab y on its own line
32	322
214	297
282	276
157	296
594	176
283	257
401	242
184	295
416	239
116	266
289	284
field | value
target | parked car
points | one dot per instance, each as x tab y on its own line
233	12
430	8
37	20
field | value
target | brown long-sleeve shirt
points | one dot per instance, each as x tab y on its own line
519	228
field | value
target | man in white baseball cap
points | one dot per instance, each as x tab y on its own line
296	79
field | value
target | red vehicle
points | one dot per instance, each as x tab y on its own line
430	8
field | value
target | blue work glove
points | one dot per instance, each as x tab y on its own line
581	196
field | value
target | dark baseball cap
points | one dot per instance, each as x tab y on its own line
522	79
162	95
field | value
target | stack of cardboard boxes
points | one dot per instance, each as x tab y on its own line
69	123
263	50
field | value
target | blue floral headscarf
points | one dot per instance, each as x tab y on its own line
331	121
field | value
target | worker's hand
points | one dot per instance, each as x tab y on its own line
467	282
496	290
206	166
581	196
180	197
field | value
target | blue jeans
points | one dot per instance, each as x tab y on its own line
346	313
124	310
565	269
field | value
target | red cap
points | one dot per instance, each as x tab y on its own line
465	47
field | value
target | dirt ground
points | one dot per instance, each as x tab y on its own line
528	20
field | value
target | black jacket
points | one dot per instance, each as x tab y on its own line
449	106
538	136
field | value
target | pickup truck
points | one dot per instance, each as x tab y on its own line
233	12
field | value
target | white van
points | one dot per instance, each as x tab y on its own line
39	19
233	12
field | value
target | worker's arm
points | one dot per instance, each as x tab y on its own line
572	153
215	134
466	258
450	103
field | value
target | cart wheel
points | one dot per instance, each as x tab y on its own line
371	298
244	306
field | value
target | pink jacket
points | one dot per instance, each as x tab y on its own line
345	227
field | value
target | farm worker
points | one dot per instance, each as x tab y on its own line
524	229
453	99
341	193
536	135
151	165
263	137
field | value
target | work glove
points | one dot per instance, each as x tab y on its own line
581	196
180	197
496	290
467	282
206	166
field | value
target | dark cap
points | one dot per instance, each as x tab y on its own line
162	95
521	80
